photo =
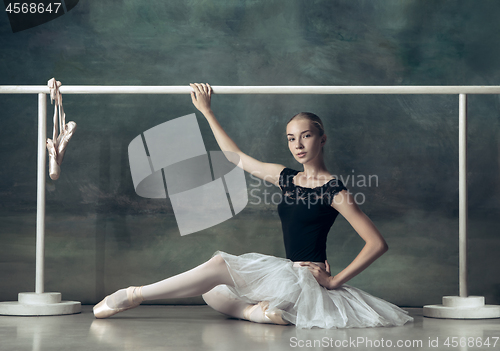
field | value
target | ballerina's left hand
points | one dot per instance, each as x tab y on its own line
323	276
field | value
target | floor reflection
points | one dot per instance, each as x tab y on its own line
201	328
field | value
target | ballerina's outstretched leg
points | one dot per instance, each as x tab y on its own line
195	282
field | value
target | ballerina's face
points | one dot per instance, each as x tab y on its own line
304	141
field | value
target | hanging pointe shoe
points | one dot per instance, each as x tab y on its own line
273	317
64	139
54	169
134	297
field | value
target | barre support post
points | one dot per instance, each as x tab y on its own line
40	303
40	194
462	196
462	306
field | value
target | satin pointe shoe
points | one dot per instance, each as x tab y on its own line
57	146
64	139
102	310
275	315
276	318
247	312
54	169
271	316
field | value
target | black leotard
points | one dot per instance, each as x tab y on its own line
306	217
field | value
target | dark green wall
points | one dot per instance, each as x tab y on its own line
101	236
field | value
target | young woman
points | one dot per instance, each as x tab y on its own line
297	290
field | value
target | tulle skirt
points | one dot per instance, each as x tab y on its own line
306	304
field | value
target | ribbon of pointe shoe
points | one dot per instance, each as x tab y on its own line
59	142
55	95
52	144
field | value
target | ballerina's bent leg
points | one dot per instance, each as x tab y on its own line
226	304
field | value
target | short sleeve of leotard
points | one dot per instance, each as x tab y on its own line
335	186
285	176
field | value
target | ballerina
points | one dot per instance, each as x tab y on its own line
298	289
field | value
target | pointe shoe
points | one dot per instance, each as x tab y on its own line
275	315
57	146
271	316
64	139
247	312
102	310
54	169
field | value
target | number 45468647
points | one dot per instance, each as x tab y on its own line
32	7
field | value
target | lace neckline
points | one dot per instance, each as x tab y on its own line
304	187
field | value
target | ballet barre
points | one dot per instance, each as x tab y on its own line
220	89
459	307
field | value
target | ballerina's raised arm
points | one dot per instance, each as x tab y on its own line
270	172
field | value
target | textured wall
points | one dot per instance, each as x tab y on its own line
101	236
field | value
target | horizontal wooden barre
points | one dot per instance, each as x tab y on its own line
284	89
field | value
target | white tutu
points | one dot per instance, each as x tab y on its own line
305	303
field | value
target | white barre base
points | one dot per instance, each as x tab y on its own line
33	304
455	307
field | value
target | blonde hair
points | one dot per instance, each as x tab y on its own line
315	120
